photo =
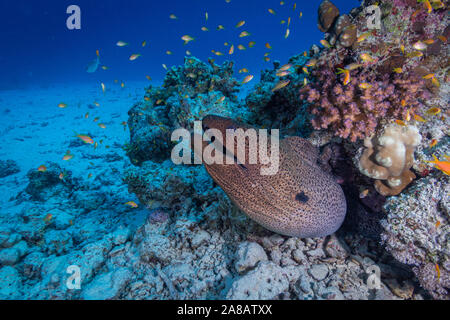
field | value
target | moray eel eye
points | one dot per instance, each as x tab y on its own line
301	197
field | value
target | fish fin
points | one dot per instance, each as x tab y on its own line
302	148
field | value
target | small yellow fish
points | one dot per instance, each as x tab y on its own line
285	67
206	16
247	79
435	81
67	157
438	223
400	123
134	56
148	78
173	17
240	24
305	70
281	85
266	59
282	73
86	116
429	76
398	70
271	11
289	21
132	204
251	44
428	6
241	47
62	105
364	36
61	176
105	68
288	32
428	42
187	38
325	43
244	34
365	85
442	38
188	52
220	27
419	118
121	44
164	66
443	166
433	111
42	168
85	138
205	29
144	43
433	143
103	87
97	104
402	49
419	45
122	85
364	194
268	46
168	52
438	271
222	99
243	70
48	218
300	15
366	57
218	53
346	75
101	125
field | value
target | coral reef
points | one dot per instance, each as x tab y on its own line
353	112
416	232
8	167
45	184
283	108
389	157
189	92
386	75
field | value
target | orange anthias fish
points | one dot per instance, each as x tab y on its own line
346	75
85	138
132	204
444	166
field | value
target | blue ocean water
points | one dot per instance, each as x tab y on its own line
37	47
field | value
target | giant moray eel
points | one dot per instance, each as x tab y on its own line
300	200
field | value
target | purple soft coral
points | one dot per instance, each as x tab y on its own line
353	112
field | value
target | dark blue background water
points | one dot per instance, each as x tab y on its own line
37	48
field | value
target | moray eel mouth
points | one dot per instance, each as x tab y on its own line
299	199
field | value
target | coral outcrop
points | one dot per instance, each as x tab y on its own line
389	157
416	232
385	75
189	92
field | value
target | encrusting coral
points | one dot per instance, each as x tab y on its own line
388	158
385	74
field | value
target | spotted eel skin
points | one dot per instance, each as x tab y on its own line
300	200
